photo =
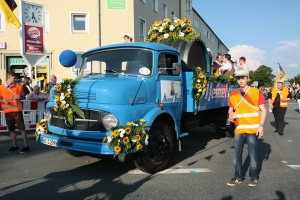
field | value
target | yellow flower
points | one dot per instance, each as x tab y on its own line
67	95
144	131
139	147
168	20
160	22
197	95
117	149
153	35
58	88
198	86
231	77
201	75
189	29
116	133
62	106
45	131
127	131
142	120
181	21
204	89
104	139
184	20
55	109
37	125
138	138
170	33
126	140
129	123
205	81
44	125
56	98
216	74
199	68
156	22
161	37
189	22
70	112
65	79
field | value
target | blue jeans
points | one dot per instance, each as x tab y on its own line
251	140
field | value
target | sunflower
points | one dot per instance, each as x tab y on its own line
62	106
127	130
67	95
139	147
65	79
70	112
44	125
138	138
37	125
55	109
189	29
199	68
129	123
117	149
144	131
115	133
126	140
142	120
58	88
168	20
197	95
204	89
205	81
231	77
45	131
170	33
198	86
201	75
104	139
56	98
216	74
153	35
189	22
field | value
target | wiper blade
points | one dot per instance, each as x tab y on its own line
111	70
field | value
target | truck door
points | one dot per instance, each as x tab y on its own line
169	84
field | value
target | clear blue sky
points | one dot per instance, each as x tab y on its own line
264	31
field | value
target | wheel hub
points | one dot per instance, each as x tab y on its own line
158	148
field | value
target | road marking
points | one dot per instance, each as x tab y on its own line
175	171
294	166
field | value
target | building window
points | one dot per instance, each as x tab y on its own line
79	23
165	11
196	23
47	25
144	1
154	5
188	5
142	28
2	22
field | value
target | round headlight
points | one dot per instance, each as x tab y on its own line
47	115
109	121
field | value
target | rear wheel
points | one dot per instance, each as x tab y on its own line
159	151
74	153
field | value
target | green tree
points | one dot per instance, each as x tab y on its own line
264	76
296	79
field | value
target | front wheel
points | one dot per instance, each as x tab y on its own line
159	151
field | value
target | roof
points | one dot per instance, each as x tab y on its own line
147	45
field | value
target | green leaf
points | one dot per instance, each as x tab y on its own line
78	111
70	119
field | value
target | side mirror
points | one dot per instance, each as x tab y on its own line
176	69
67	58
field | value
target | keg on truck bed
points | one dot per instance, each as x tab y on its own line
194	54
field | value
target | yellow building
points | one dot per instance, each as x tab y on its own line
81	25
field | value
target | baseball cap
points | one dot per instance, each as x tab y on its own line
241	73
280	81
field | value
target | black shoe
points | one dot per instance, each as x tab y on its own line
234	181
276	131
12	149
280	133
253	182
25	150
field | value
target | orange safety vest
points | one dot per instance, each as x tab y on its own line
247	110
13	105
284	93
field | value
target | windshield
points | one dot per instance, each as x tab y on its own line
126	61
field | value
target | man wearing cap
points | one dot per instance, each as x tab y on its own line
278	101
127	38
248	113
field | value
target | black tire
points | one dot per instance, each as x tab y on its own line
229	132
159	151
220	132
74	153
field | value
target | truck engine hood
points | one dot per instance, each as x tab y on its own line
112	89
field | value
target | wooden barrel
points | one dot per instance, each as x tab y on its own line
193	54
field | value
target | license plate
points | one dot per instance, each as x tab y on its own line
50	142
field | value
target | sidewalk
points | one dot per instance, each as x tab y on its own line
5	136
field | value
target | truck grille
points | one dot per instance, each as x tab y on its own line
92	121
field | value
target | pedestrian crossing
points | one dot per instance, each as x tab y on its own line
175	171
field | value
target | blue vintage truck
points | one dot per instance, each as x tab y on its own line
132	81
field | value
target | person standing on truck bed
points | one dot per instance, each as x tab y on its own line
10	93
227	65
247	111
127	38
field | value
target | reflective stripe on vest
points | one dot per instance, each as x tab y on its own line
247	126
13	105
247	115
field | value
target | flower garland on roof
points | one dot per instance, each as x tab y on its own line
131	138
200	81
172	30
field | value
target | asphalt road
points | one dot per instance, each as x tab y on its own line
199	171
